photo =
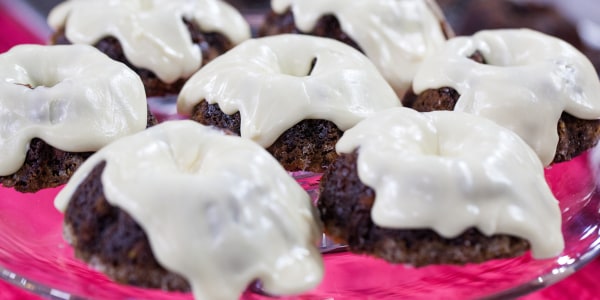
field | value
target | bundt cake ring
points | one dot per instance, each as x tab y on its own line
438	188
292	94
524	80
58	104
182	206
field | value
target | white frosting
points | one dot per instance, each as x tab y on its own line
217	209
450	171
73	97
267	80
151	32
395	34
529	80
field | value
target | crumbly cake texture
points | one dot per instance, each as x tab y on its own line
306	146
108	238
345	205
211	44
48	167
45	167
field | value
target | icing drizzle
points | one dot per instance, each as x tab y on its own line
73	97
151	32
528	81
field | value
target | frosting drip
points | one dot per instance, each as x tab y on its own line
271	83
151	32
528	81
450	171
73	97
218	237
395	35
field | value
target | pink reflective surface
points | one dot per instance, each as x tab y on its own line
35	256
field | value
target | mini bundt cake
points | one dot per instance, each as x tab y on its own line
521	79
292	94
164	41
58	104
182	206
438	188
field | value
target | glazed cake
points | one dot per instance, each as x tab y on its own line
58	104
293	94
164	41
157	209
438	188
523	80
395	35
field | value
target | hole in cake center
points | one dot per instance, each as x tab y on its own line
299	69
312	66
477	56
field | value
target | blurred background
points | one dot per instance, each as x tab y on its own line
577	21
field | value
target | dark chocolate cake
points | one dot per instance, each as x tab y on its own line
345	206
48	167
107	238
306	146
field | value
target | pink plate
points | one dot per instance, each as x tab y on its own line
34	256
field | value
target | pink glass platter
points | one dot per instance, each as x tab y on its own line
34	256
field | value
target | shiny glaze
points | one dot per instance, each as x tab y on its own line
528	81
73	97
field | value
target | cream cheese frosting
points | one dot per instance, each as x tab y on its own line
272	82
530	78
450	171
233	214
396	35
73	97
151	32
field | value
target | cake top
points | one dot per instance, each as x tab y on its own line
395	35
175	179
73	97
276	82
528	80
450	171
151	32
